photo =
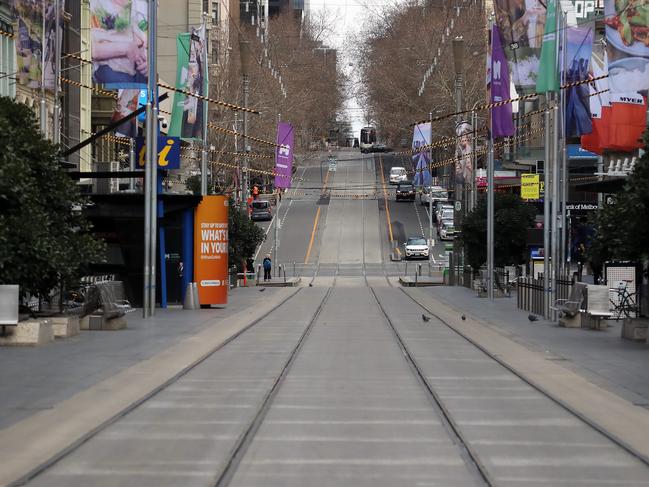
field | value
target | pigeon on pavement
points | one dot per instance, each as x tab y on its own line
532	318
310	284
425	318
463	317
262	289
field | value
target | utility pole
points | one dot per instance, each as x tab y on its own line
490	218
474	159
277	216
458	184
430	196
244	52
546	215
43	105
58	40
151	173
206	85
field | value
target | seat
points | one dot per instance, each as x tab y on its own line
598	306
569	309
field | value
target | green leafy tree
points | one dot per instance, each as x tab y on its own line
512	218
44	238
244	236
622	230
193	184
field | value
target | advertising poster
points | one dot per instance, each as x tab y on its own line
421	159
579	50
530	186
464	152
118	31
522	24
627	37
187	111
31	17
284	155
127	103
211	250
502	124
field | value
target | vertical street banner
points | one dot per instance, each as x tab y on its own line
579	50
284	155
36	42
127	103
627	40
502	124
118	30
522	26
211	250
421	158
599	104
548	77
187	110
463	152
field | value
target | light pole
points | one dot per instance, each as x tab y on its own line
458	183
58	40
206	85
245	54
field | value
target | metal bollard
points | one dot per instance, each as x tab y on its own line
293	268
284	274
406	268
416	279
419	269
258	273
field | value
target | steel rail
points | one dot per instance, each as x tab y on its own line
229	467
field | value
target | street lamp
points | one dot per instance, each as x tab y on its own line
246	59
457	177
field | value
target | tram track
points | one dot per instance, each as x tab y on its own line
92	433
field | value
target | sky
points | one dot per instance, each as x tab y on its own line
349	15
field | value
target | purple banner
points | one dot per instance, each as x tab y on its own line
502	124
284	156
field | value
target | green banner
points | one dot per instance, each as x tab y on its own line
548	79
187	110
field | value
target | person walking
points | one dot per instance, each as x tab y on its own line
268	265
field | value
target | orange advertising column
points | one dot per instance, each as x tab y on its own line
211	250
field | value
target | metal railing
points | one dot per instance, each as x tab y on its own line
530	295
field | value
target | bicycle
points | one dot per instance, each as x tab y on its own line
624	303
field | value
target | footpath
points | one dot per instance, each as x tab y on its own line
602	357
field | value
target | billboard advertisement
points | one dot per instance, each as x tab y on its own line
521	25
36	28
421	158
118	30
211	250
187	112
284	155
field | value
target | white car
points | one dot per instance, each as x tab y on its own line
436	193
444	213
447	230
416	248
398	175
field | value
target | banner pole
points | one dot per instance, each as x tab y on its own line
546	215
58	38
490	218
43	105
153	87
206	85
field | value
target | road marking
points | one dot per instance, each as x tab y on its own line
385	198
315	227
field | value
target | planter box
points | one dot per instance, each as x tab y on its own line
635	329
65	326
29	333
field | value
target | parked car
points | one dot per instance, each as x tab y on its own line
406	192
444	212
261	210
416	248
398	175
436	193
447	229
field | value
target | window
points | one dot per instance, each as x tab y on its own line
215	13
7	63
206	6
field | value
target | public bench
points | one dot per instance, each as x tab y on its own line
112	307
597	310
570	309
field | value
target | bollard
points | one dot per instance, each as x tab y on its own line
419	269
197	301
258	273
416	279
189	301
406	268
451	269
284	274
279	271
293	268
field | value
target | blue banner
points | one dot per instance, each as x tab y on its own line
168	152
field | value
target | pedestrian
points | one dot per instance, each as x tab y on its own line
268	265
255	192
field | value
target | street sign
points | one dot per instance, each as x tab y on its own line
458	206
332	165
530	187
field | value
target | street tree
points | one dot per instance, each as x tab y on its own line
244	237
622	230
512	217
44	238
